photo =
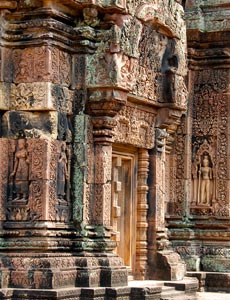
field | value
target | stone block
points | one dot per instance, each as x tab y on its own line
93	294
201	277
4	95
41	294
36	125
169	266
119	293
36	64
113	277
41	96
88	277
189	285
215	263
217	282
146	293
32	124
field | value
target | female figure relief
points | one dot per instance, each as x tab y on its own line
21	171
62	172
205	178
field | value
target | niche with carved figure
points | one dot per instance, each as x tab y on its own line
204	179
19	177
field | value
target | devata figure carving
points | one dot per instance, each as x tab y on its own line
62	173
20	174
204	181
203	174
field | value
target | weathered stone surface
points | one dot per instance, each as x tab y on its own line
85	83
199	205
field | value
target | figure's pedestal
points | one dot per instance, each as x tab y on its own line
201	209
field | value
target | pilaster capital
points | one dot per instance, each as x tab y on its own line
169	119
103	105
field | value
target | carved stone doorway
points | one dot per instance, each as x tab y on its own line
124	206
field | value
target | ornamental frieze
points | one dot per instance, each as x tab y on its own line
136	127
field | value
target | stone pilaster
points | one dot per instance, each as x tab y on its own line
164	263
142	208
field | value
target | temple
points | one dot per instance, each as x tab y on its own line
114	148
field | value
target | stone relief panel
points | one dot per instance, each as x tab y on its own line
176	168
51	124
161	68
62	199
209	144
167	13
41	64
83	173
152	46
41	96
24	201
127	50
36	64
136	127
4	166
35	180
115	58
20	174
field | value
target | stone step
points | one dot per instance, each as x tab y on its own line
169	290
170	293
179	297
212	281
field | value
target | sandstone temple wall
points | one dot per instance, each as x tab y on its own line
114	145
200	201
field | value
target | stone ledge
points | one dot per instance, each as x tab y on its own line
212	281
122	293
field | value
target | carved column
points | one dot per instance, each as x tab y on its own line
156	219
142	208
164	263
102	114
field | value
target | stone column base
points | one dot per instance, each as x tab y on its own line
61	270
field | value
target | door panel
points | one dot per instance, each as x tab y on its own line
124	206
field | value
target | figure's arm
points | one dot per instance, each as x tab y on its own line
27	158
15	167
210	174
66	170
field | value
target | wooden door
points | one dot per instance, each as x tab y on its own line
124	207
